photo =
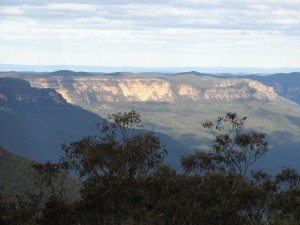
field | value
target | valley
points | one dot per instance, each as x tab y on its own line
36	122
176	105
183	112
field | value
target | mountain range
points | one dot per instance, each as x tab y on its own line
111	69
286	85
174	104
35	122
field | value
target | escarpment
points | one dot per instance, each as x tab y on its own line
14	90
93	89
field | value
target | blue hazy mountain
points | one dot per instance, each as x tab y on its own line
35	122
285	84
111	69
175	104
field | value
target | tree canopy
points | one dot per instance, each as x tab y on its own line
125	181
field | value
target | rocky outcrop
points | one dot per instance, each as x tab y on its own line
285	84
14	90
156	90
93	89
188	91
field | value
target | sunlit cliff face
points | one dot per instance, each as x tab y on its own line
107	89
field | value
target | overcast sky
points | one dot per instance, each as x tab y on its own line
232	33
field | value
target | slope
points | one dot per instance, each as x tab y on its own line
15	177
35	122
176	104
285	84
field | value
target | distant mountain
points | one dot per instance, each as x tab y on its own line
175	104
285	84
112	69
135	88
68	73
191	73
35	122
15	179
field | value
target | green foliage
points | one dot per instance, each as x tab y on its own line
16	178
234	149
112	156
51	176
124	181
24	210
57	211
279	120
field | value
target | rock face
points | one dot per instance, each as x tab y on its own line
35	122
14	90
93	89
285	84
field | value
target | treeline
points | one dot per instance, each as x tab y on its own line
125	181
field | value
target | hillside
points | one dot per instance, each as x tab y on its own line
176	104
15	179
285	84
35	122
93	89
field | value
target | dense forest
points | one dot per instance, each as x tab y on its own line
125	180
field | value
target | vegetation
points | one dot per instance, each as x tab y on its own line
15	179
35	127
280	121
125	181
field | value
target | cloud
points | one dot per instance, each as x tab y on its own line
69	6
203	14
191	28
10	10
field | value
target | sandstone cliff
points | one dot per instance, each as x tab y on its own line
93	89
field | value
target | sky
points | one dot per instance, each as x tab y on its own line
171	33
